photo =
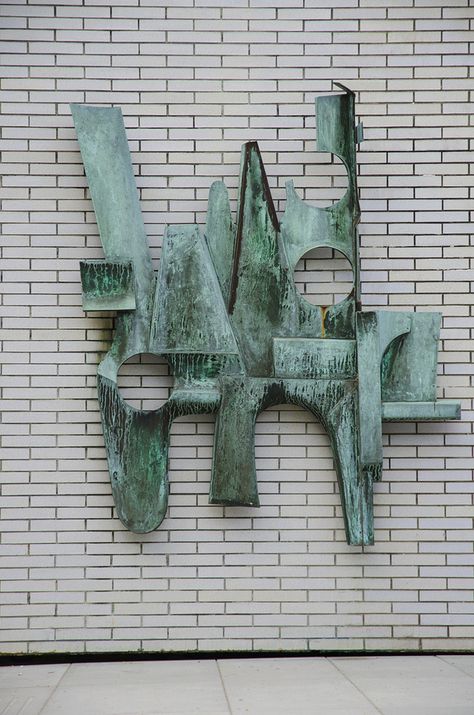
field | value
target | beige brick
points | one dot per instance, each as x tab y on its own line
195	80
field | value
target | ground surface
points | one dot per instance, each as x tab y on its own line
412	685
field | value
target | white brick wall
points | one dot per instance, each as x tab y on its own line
195	80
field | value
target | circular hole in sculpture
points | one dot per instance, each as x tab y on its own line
145	381
324	276
324	181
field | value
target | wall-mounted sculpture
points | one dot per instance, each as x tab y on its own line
225	313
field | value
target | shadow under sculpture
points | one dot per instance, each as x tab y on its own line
225	313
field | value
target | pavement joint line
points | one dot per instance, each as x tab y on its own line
453	665
330	660
223	686
48	699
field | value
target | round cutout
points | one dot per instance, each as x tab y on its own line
324	181
145	381
324	276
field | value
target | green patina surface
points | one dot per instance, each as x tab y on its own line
225	313
107	285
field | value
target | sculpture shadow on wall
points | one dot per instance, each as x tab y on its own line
225	314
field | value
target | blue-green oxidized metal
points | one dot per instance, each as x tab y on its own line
225	313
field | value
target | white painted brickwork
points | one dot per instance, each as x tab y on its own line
195	79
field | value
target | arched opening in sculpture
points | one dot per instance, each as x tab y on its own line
324	181
324	276
145	381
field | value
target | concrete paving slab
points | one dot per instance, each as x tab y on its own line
370	685
23	701
28	676
24	689
140	688
411	685
463	662
302	686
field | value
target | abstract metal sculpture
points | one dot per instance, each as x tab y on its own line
225	313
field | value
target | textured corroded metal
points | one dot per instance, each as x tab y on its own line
107	285
225	313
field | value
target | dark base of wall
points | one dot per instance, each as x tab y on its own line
55	658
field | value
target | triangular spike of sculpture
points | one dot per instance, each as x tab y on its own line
226	315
